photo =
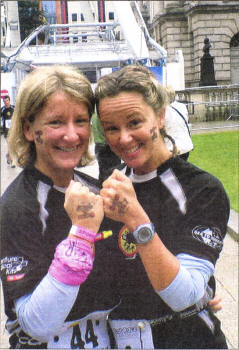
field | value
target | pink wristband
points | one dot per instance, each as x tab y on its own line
82	232
73	262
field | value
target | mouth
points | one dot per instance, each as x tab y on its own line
68	149
132	151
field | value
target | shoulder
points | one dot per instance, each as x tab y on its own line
15	195
87	180
22	191
203	186
181	107
194	176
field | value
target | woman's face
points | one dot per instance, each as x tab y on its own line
132	130
61	132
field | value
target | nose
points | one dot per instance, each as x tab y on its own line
71	132
124	137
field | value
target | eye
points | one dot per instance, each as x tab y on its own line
82	120
110	128
54	122
134	122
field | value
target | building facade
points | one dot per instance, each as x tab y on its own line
185	24
175	25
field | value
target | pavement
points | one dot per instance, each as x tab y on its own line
226	269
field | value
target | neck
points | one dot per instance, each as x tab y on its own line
59	177
63	181
163	154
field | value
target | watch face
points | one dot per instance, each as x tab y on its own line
144	234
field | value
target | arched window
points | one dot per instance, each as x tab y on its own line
235	41
234	48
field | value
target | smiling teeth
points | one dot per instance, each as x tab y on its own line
68	149
132	149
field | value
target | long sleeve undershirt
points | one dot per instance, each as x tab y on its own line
33	309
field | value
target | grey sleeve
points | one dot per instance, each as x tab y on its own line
42	313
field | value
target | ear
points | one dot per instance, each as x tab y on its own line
28	132
161	118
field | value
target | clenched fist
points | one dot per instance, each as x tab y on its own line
83	207
120	201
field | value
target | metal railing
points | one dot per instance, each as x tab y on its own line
214	103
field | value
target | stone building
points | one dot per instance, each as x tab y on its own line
185	24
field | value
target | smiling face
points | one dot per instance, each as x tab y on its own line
132	129
60	132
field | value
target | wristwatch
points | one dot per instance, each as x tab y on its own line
143	233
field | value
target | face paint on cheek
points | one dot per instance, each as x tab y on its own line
154	133
38	134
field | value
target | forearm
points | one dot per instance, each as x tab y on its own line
180	281
42	313
160	264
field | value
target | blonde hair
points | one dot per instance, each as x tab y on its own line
33	93
171	93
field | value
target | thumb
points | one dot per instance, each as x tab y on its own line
70	186
118	175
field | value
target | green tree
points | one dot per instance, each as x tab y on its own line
30	17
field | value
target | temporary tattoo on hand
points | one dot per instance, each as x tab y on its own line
154	133
85	211
38	134
120	205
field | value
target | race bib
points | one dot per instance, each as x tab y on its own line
132	334
8	123
89	332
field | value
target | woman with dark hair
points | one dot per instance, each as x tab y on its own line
169	220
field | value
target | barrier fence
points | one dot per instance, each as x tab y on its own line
211	104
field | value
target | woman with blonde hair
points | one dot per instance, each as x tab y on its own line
32	95
47	252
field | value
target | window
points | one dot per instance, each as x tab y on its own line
74	17
91	75
82	17
111	15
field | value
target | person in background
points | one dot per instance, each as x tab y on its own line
106	158
52	297
176	126
6	116
169	220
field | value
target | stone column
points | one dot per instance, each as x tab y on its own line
13	38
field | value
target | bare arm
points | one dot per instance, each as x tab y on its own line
121	204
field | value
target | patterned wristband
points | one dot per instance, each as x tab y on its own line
73	262
82	232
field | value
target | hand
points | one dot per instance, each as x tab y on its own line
215	304
83	207
120	201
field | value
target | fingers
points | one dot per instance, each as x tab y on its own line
73	186
114	179
118	175
217	299
83	206
215	304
